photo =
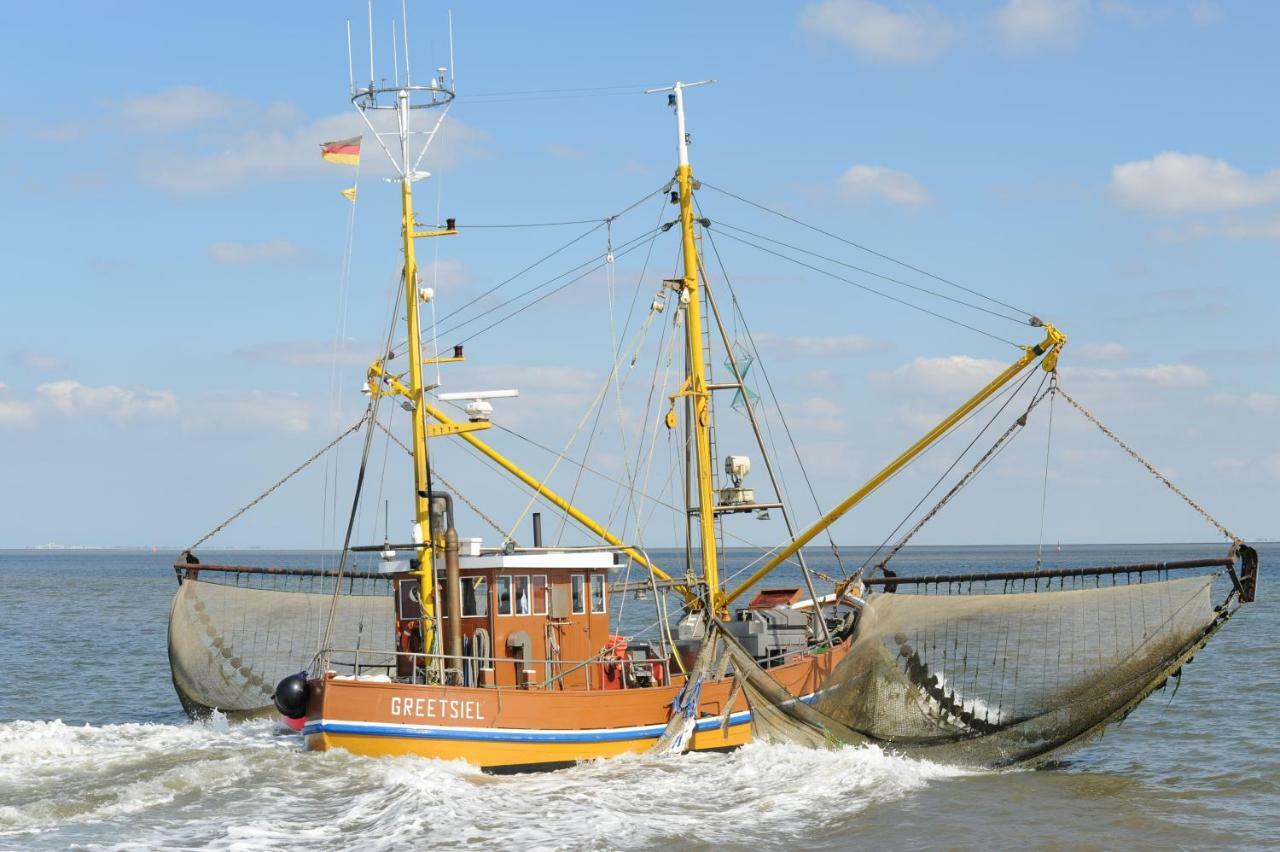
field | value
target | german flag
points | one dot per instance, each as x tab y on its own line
346	151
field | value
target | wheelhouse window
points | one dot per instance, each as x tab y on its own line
475	596
578	584
539	584
522	594
597	593
504	596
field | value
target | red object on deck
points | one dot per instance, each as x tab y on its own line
615	655
769	598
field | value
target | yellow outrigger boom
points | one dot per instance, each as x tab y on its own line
1048	349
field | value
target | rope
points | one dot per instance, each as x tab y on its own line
960	484
1044	486
290	475
1151	468
435	473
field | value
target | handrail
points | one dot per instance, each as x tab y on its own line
434	661
464	657
1104	570
196	568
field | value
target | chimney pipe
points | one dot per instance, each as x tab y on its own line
537	529
453	597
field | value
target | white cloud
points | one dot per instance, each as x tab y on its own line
1232	229
567	152
231	253
72	398
827	346
38	361
1029	24
946	374
841	344
1203	14
1161	375
177	107
15	413
1256	402
446	274
880	33
862	182
276	153
310	353
1138	16
251	411
1171	182
818	414
1101	352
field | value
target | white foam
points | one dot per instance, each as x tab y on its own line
246	786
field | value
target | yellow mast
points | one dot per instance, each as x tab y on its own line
696	384
422	536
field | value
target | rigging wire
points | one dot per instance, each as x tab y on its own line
371	417
733	297
1044	488
880	293
599	223
339	349
1015	390
531	224
880	275
652	236
867	249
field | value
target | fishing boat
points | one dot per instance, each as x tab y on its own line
511	657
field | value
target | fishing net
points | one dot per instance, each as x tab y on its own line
991	679
229	645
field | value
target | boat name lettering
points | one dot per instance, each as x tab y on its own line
436	708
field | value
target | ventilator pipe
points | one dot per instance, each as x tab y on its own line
453	599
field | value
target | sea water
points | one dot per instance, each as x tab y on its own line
95	752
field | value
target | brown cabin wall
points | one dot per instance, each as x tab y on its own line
579	635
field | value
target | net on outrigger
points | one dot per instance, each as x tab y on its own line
235	631
996	669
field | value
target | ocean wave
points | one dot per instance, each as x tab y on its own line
251	786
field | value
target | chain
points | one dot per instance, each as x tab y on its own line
1150	467
290	475
472	506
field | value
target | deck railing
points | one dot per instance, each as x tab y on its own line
469	667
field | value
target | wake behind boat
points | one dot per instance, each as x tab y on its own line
511	657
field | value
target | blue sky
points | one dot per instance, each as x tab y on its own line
174	246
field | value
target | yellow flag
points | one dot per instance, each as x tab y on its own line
350	194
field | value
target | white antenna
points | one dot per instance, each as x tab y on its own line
453	70
407	97
404	20
395	55
351	70
371	77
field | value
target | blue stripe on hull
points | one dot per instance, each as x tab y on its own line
513	735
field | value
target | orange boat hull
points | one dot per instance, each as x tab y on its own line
506	730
